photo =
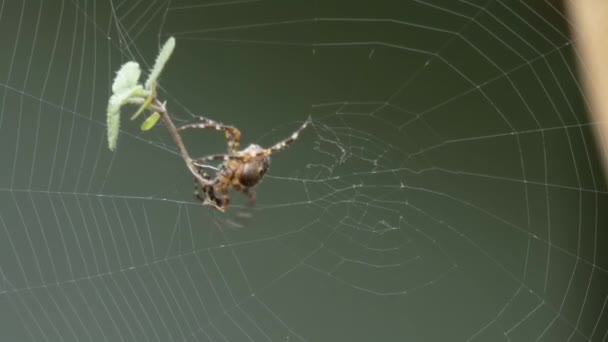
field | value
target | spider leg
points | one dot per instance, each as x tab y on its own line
251	194
206	194
198	188
281	145
201	162
233	135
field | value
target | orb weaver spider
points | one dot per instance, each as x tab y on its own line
240	170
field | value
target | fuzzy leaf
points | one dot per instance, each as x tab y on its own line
113	121
113	113
150	97
150	121
161	59
127	77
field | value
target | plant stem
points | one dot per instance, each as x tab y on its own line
177	138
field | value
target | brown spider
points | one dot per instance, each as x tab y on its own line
240	170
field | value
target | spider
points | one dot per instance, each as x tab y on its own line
240	170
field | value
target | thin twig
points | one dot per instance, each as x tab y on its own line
177	138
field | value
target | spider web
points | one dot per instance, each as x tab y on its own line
447	189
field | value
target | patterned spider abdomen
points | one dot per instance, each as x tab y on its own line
252	171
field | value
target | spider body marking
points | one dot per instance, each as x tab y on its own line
239	170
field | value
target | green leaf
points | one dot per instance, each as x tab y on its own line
126	78
150	121
161	59
113	121
149	99
113	113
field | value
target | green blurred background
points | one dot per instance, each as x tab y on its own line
448	189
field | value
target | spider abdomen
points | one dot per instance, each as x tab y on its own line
253	171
